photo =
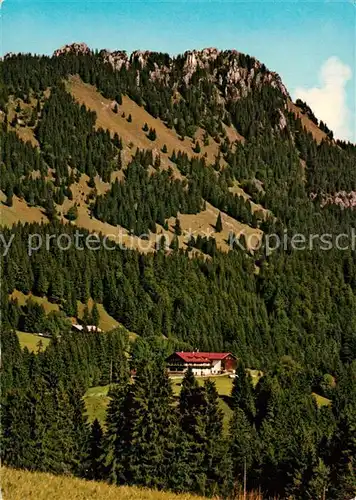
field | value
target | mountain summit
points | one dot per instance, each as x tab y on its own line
234	72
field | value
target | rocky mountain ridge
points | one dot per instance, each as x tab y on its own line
233	72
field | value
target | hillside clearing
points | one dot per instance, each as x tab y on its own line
31	341
321	400
19	212
132	132
24	132
106	322
43	301
201	223
255	207
133	136
96	401
311	127
223	384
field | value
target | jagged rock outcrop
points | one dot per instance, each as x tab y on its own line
75	48
234	73
117	59
342	199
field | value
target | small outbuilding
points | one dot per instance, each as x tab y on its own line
86	328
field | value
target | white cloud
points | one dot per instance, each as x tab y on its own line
329	101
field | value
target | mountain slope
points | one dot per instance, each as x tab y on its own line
287	309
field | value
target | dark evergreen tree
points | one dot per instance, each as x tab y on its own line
96	452
95	316
218	224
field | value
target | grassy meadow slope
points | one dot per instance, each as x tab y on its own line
19	212
133	137
24	485
32	341
310	126
132	132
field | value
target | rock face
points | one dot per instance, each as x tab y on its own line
75	48
342	199
234	73
117	59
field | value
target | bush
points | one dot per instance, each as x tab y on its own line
72	213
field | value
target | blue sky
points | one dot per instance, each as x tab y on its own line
293	38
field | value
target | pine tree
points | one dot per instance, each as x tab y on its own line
86	316
152	135
50	207
79	430
146	425
177	227
218	224
174	243
217	459
129	119
72	213
95	316
96	452
320	481
164	149
116	436
197	148
206	138
162	243
192	409
119	161
33	119
9	197
243	446
242	394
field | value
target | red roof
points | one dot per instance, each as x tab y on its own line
202	357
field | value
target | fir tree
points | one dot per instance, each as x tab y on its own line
116	436
243	446
218	224
174	243
72	213
177	227
86	316
96	452
217	459
242	394
197	148
95	316
152	135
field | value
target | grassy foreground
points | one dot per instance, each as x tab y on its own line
24	485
